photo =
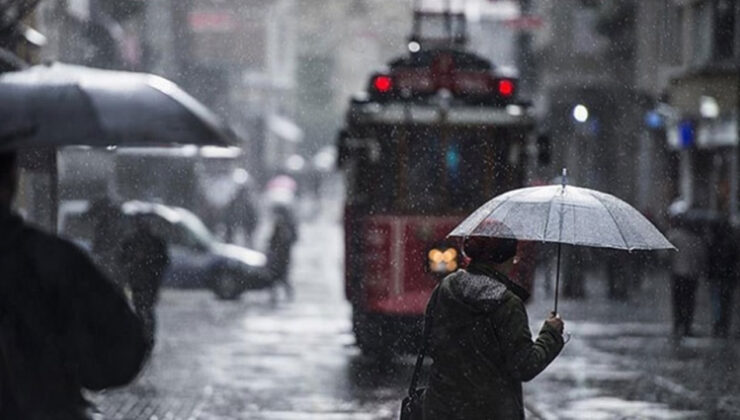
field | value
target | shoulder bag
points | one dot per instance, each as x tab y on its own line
412	406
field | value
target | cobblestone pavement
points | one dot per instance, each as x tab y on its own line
250	359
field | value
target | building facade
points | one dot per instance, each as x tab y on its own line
700	60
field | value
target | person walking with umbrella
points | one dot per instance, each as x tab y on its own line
64	326
480	339
481	319
106	219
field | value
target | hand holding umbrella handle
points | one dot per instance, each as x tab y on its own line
556	322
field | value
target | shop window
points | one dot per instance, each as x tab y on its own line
585	40
713	31
701	33
724	29
671	48
704	179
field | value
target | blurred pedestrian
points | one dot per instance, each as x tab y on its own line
620	274
574	284
106	218
722	272
480	339
63	325
241	214
687	266
144	259
284	235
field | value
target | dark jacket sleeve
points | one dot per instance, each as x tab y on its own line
107	336
523	358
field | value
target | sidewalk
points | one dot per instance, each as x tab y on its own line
621	361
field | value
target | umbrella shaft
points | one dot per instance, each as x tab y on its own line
557	279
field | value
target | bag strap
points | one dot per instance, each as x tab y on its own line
425	341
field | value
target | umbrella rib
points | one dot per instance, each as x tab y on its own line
627	246
574	225
490	212
547	219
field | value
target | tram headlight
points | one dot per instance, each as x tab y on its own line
442	261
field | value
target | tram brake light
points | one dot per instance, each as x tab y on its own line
382	83
505	87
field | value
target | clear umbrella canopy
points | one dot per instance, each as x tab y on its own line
564	214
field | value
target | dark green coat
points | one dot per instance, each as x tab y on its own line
482	349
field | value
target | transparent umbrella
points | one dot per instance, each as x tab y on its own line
563	214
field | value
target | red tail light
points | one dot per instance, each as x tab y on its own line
383	84
505	87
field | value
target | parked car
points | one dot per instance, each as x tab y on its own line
197	258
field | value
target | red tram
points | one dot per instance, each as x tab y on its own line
436	135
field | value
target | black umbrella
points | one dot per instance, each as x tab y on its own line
54	105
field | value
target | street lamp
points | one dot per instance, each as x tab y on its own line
580	113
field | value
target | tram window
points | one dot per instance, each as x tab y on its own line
465	186
425	189
441	27
372	177
428	170
447	169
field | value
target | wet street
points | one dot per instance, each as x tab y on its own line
251	359
170	140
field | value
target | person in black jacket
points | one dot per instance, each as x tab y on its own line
722	271
480	339
144	258
64	327
284	235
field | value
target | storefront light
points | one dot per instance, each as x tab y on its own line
708	107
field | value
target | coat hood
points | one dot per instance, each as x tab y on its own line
11	227
469	295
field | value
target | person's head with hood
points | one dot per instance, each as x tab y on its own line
497	253
8	178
